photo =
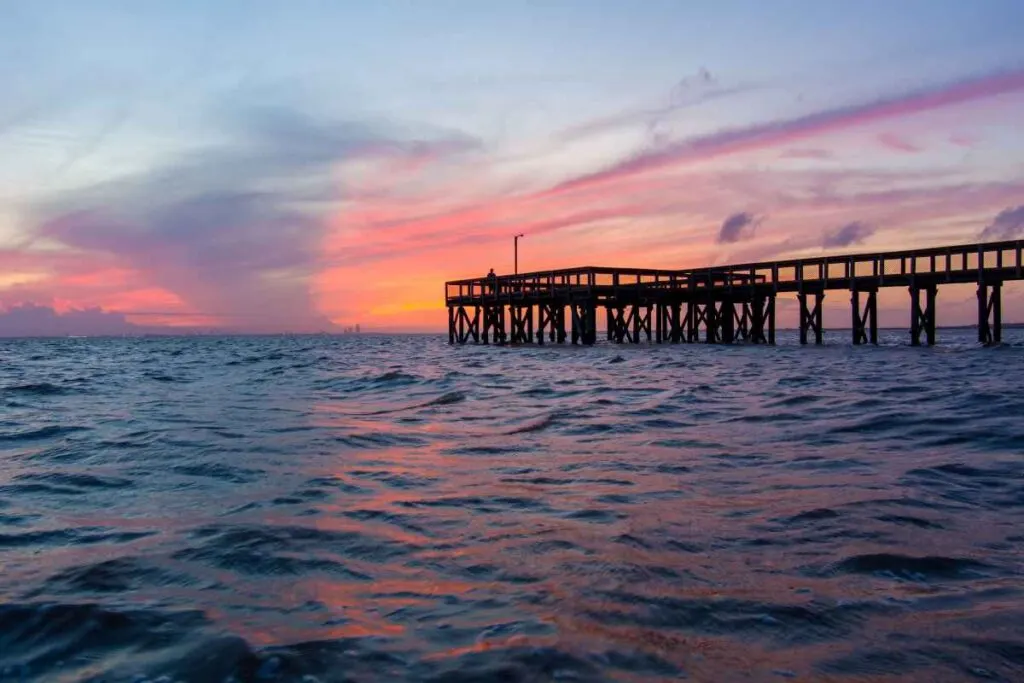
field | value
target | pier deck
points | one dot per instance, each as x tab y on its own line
724	304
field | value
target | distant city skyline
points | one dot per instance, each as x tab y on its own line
272	167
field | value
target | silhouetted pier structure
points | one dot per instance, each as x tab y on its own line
725	304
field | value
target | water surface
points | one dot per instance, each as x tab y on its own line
392	508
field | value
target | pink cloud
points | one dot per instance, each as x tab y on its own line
963	139
807	153
896	143
775	133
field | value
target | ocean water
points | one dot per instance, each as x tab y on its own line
394	509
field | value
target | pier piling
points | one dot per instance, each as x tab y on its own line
922	318
811	318
990	316
865	321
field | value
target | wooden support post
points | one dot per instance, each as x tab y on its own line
922	318
984	329
811	318
576	323
584	322
618	316
522	323
756	333
819	328
676	322
693	319
610	321
559	324
660	313
494	324
915	316
451	325
727	322
474	325
762	320
990	315
515	324
804	318
865	320
857	321
873	317
929	320
742	316
591	322
996	307
711	322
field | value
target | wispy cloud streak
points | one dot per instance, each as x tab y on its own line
689	92
774	133
897	143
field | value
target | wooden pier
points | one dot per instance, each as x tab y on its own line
725	304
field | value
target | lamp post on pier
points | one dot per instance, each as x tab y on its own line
515	244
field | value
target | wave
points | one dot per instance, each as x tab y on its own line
911	567
538	425
37	389
39	433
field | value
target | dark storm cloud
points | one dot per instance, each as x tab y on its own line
848	235
43	321
738	227
1008	225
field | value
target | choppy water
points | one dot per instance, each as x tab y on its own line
373	508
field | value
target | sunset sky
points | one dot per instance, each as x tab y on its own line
302	165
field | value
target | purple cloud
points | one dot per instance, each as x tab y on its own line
737	227
29	320
236	230
847	235
897	143
1008	225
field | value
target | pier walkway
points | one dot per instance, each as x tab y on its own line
725	304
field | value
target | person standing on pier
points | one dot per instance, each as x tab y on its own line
492	281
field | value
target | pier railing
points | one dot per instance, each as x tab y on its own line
965	263
589	279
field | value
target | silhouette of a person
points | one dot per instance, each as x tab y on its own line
493	281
